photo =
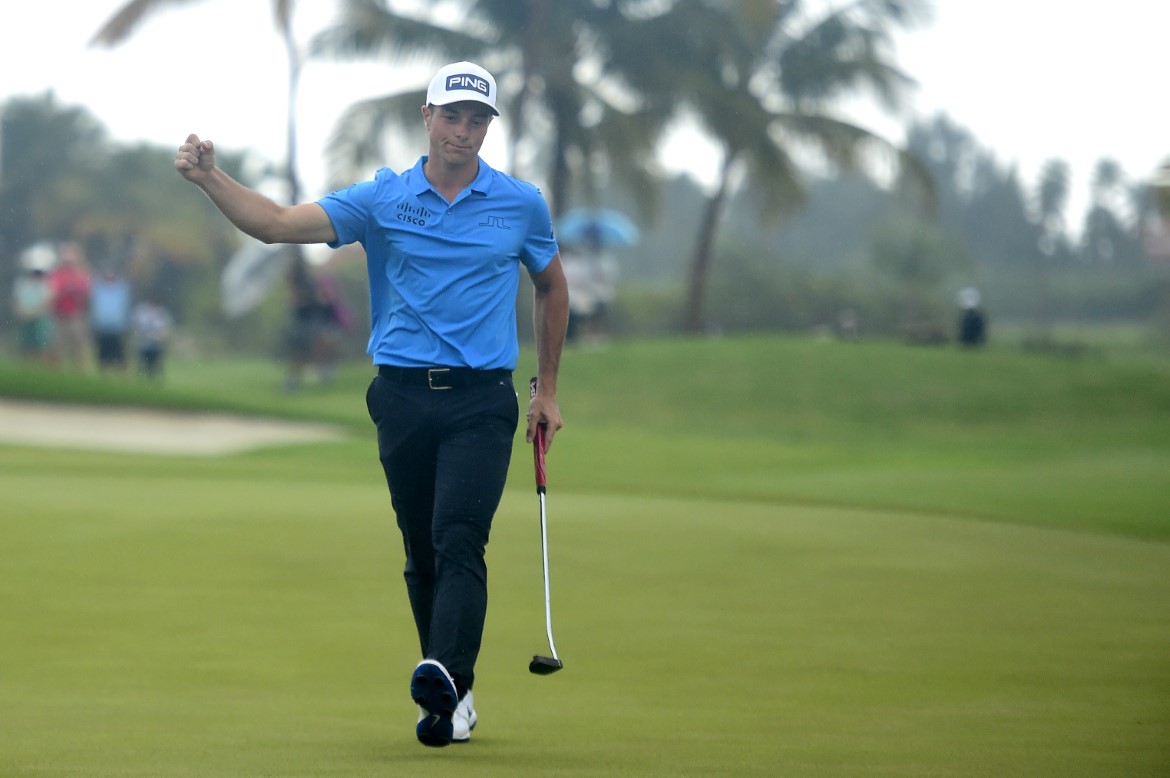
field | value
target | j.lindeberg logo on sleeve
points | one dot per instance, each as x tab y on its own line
495	221
413	214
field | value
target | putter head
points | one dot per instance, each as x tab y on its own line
544	665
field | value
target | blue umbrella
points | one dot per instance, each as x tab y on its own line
597	228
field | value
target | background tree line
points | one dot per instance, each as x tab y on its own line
804	222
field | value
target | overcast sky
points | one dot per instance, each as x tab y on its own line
1031	79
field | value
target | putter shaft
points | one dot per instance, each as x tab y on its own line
543	665
547	595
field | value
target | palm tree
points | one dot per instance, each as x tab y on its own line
535	49
1103	231
760	79
1053	199
123	24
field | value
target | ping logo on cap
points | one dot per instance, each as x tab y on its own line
460	81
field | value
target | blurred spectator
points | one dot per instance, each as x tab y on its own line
972	319
591	273
848	326
152	330
336	319
32	303
70	283
319	315
306	315
109	318
582	304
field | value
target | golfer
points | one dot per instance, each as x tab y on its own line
444	243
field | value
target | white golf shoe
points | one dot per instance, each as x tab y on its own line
464	719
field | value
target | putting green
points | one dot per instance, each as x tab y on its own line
219	618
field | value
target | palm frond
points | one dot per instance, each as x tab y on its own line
122	24
368	29
838	55
359	137
854	148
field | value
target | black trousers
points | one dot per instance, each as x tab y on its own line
445	453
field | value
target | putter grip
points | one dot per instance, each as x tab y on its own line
537	445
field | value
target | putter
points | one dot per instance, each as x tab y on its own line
543	665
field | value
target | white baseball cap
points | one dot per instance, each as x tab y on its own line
461	81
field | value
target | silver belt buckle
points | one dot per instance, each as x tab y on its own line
431	377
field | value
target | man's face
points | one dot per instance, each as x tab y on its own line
456	131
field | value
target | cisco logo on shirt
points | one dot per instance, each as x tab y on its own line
467	81
413	214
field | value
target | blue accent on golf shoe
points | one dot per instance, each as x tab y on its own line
433	689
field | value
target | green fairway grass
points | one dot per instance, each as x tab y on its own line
770	556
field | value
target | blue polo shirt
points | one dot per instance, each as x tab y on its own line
444	276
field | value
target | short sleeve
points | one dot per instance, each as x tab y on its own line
349	210
540	245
